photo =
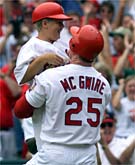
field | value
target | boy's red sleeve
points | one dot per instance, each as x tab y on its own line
22	108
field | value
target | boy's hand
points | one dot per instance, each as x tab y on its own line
53	59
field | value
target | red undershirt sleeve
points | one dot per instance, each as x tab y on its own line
22	108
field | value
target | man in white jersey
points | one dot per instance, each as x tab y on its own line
75	96
39	51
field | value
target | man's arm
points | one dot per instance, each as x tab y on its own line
22	108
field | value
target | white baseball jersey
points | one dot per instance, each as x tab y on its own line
29	51
76	97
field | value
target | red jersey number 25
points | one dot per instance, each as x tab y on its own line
79	108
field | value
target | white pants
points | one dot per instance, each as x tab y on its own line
65	155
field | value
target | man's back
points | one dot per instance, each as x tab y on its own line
76	97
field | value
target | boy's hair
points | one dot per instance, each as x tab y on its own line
38	25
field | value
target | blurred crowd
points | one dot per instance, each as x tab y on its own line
116	21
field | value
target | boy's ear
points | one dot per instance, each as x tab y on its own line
44	23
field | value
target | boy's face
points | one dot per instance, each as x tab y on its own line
54	28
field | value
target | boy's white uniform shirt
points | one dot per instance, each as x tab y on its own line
30	51
65	108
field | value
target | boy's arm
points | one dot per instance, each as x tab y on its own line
38	64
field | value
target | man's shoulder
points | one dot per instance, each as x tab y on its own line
53	70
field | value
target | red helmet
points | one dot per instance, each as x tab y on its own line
86	41
49	10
